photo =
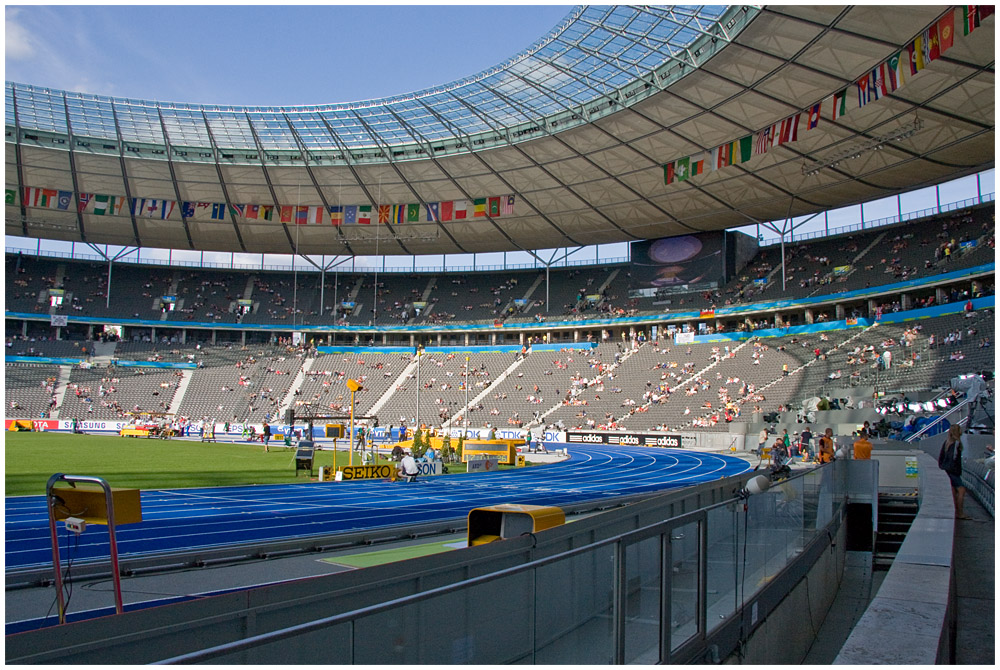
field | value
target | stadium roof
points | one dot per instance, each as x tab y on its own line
567	143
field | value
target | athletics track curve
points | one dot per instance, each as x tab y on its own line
189	519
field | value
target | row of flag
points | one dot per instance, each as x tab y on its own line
114	205
883	79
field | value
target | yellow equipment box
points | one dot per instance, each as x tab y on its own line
502	522
87	502
505	450
134	432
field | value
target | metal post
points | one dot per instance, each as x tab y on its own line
466	417
417	425
107	293
351	442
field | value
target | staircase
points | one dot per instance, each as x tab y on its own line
895	516
182	386
289	400
62	384
104	352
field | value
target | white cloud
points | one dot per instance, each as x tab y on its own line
18	42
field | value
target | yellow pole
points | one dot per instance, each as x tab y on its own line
353	386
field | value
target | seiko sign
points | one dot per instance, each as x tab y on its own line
626	439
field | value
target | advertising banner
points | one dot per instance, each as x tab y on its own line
625	439
171	365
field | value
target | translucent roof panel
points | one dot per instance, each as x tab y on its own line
91	116
591	54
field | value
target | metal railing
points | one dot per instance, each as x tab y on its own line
885	221
649	595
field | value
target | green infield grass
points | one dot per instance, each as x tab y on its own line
31	458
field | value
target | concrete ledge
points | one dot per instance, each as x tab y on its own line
913	605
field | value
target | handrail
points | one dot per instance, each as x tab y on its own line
938	419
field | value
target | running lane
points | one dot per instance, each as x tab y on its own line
186	519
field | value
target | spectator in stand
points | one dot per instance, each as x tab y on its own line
862	447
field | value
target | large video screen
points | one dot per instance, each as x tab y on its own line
691	261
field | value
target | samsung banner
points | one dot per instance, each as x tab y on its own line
625	439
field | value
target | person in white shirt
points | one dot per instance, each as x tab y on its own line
407	468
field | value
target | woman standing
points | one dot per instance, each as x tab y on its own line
950	460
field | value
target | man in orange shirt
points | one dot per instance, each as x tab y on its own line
862	447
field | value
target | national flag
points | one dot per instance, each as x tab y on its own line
682	168
365	215
336	214
763	142
105	204
668	173
238	210
789	129
932	50
479	207
65	197
814	112
721	156
917	52
287	211
893	72
50	197
384	213
507	204
433	211
351	214
9	196
399	213
138	206
413	212
697	164
946	30
252	211
864	90
267	212
839	104
461	209
166	208
187	210
971	17
447	208
83	200
219	211
202	209
879	79
744	148
494	206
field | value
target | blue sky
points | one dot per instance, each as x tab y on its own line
263	54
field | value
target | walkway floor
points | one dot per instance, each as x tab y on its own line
975	578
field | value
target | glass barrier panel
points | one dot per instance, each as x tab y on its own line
642	601
335	643
684	573
485	624
722	577
574	604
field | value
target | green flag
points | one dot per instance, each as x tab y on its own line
9	196
413	212
682	168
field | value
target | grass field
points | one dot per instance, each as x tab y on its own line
31	458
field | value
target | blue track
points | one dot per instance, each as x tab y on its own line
186	519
